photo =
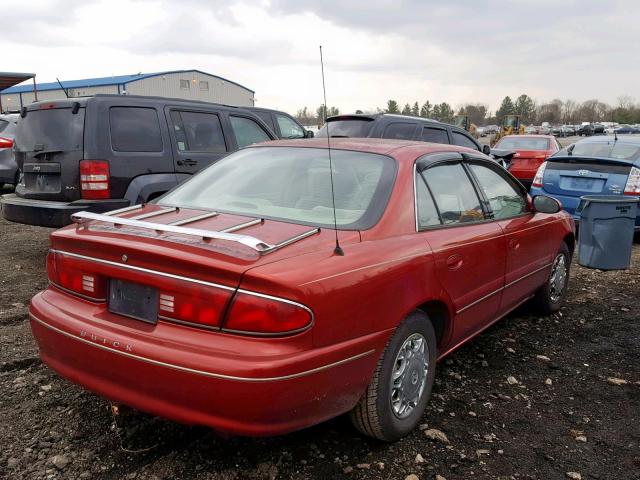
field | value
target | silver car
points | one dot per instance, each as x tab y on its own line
8	165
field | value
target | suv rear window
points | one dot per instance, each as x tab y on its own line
50	129
135	129
355	127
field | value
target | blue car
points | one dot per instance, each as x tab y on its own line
593	166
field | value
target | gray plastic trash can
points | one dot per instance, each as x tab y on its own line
606	231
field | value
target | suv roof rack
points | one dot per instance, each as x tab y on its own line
206	235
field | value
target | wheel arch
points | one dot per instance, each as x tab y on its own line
438	312
570	240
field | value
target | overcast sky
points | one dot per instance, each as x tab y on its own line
462	51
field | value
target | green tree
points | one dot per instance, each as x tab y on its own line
392	107
426	109
407	109
435	112
477	113
506	108
415	110
526	108
446	113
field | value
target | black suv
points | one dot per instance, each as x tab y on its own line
591	129
111	151
403	127
281	123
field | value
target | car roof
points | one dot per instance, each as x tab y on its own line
382	146
138	98
375	116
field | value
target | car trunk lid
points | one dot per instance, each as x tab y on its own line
576	176
49	147
95	257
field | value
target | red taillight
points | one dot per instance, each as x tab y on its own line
538	179
6	142
201	306
263	315
67	273
94	179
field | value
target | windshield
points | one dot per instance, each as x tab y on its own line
352	128
50	129
523	143
611	149
293	184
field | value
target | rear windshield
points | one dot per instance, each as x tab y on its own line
293	185
523	143
353	128
611	149
50	129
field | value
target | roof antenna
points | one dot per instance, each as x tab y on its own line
66	92
338	250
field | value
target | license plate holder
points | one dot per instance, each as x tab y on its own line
133	300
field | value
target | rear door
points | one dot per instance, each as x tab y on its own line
400	130
434	135
197	138
288	127
49	143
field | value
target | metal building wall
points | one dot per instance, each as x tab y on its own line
168	85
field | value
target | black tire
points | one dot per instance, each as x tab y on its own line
374	415
544	300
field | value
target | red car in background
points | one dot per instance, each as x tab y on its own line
531	152
228	304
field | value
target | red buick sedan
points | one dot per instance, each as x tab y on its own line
226	303
531	152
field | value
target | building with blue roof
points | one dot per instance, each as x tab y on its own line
184	84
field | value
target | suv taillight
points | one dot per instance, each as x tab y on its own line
94	179
633	182
252	314
6	142
537	180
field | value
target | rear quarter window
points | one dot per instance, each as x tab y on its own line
135	129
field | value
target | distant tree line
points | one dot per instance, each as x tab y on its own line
531	112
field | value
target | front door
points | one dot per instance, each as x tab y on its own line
468	247
528	259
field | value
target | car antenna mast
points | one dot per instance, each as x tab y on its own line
338	250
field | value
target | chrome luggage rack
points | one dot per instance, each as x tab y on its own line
206	235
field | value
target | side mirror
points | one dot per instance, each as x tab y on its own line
486	149
308	134
544	204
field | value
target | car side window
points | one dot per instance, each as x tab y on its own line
400	130
434	135
289	128
426	208
505	199
198	132
247	131
464	141
454	194
135	129
265	117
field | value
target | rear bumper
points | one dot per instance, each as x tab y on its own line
52	214
238	385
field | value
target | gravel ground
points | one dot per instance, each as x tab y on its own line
530	398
